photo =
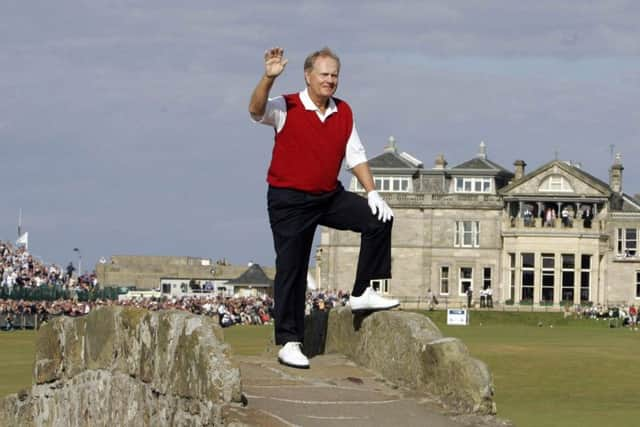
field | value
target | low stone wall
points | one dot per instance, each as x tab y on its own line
123	366
409	349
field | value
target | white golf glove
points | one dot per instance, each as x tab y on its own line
379	206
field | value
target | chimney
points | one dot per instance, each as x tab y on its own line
519	169
391	147
615	175
441	163
482	153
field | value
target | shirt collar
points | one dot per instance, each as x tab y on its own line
309	105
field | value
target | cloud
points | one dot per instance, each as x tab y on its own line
124	124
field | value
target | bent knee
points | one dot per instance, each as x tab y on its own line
374	225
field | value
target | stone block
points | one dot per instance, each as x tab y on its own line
409	349
124	366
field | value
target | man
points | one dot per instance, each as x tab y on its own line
565	217
633	317
314	132
528	217
587	216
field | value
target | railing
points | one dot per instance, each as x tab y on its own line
444	303
23	321
430	199
539	224
52	293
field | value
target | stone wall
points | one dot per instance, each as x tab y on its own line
146	272
422	242
409	349
123	367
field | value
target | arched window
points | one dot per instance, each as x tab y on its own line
556	183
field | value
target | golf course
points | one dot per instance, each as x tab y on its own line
547	371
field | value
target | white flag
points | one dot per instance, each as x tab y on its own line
23	239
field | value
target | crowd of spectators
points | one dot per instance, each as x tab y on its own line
20	269
247	310
229	311
622	315
325	300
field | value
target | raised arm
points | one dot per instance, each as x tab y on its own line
274	63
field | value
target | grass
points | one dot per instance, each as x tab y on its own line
576	373
248	340
17	351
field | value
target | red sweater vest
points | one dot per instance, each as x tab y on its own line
307	153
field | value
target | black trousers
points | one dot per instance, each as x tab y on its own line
294	216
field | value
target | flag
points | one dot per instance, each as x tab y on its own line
23	239
20	223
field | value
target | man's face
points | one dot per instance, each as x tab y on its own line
322	79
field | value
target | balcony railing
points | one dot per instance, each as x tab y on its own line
431	199
574	225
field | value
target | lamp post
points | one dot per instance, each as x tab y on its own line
79	261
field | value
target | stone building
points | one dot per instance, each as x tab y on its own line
554	236
190	273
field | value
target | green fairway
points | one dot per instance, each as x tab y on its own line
248	340
548	371
561	373
17	349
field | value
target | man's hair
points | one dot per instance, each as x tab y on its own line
324	52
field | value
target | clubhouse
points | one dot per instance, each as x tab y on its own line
554	236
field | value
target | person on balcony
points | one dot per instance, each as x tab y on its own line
587	216
566	219
550	217
528	217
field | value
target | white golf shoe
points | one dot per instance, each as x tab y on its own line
291	355
370	300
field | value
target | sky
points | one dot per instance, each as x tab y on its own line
124	127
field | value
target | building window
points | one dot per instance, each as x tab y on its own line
585	278
548	277
568	277
389	184
444	280
627	242
528	277
486	278
512	275
380	285
638	284
481	184
555	183
466	280
467	234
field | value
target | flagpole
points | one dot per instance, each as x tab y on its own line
22	238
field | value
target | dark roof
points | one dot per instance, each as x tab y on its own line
254	275
390	159
580	171
629	204
480	164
